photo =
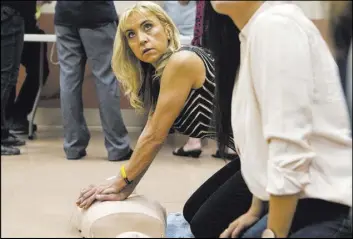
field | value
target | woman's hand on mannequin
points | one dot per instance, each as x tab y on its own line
112	191
115	190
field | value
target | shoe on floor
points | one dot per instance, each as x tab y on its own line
12	140
76	157
8	150
226	156
21	126
190	153
126	157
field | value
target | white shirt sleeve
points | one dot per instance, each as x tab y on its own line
282	79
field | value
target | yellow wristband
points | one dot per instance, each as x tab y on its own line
123	172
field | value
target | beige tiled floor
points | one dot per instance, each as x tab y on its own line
39	187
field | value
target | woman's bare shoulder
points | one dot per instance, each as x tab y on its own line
187	61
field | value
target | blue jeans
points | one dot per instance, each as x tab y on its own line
313	219
12	37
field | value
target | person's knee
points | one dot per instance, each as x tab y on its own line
204	227
187	212
199	230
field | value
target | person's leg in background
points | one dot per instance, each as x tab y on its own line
12	35
22	105
192	148
98	44
72	60
10	104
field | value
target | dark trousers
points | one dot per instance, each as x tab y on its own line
219	201
224	197
313	219
12	34
75	46
19	108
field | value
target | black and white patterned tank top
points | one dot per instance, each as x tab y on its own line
196	118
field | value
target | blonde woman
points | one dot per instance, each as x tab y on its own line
176	83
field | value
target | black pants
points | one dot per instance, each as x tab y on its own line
224	197
18	108
313	218
219	201
12	33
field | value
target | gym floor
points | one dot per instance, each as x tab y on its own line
39	187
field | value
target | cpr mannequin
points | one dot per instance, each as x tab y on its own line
135	217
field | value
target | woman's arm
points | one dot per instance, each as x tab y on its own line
283	81
281	212
257	207
184	71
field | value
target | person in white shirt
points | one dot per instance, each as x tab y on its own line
290	123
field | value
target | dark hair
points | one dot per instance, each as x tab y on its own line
341	30
221	37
